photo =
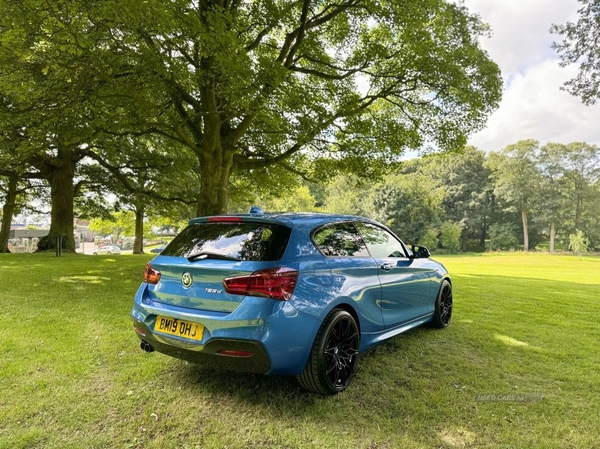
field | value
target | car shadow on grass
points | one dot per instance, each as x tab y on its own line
283	394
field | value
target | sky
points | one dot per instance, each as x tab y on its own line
532	106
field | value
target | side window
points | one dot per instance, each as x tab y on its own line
340	239
380	242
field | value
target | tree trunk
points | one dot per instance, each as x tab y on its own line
483	234
215	170
578	208
7	213
525	230
138	243
61	197
552	235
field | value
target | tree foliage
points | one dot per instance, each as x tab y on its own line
408	204
578	243
247	85
580	46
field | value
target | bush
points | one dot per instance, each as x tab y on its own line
502	237
450	237
430	239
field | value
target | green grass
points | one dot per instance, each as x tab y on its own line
72	374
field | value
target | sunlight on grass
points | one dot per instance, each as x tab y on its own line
458	437
509	340
86	279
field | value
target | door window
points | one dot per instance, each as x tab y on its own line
340	240
380	242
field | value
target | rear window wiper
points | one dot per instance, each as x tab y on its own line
209	255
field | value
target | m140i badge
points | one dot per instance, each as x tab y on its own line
187	280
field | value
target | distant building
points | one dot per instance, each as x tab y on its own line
24	240
82	231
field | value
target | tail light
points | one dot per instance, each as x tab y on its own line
151	276
275	283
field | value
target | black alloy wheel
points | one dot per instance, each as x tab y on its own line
443	306
334	356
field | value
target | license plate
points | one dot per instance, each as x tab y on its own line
179	328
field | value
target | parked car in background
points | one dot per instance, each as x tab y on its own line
287	294
107	250
158	249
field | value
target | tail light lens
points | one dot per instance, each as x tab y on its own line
275	283
151	276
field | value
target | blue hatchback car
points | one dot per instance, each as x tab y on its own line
287	294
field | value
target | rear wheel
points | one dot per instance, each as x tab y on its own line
443	306
108	253
333	358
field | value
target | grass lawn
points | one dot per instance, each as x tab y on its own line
72	374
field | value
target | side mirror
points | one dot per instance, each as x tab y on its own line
420	252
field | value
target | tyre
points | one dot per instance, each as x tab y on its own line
95	253
108	253
333	358
443	306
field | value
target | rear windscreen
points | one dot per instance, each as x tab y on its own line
240	240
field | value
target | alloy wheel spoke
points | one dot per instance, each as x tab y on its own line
340	352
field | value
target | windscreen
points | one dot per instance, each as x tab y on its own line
239	240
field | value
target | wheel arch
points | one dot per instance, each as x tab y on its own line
348	308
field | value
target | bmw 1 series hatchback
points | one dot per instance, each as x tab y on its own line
287	294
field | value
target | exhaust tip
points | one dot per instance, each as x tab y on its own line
145	346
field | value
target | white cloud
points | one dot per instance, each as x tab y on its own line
533	106
521	29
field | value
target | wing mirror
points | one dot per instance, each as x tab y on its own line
420	252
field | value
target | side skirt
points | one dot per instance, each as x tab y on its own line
373	339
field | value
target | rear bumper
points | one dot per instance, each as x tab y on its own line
278	335
258	362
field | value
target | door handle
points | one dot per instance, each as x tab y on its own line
387	266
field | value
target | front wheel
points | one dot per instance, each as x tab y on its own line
333	358
443	306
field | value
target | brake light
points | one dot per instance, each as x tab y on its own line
151	276
225	219
275	283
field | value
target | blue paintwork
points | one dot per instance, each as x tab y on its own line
384	303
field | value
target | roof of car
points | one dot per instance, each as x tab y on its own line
286	218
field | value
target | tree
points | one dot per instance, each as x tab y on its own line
44	108
346	195
118	225
468	195
297	200
553	207
142	174
409	204
580	45
502	237
578	243
517	179
450	236
248	85
10	201
583	170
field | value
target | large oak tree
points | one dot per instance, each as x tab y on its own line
248	84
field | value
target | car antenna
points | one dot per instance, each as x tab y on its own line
255	210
